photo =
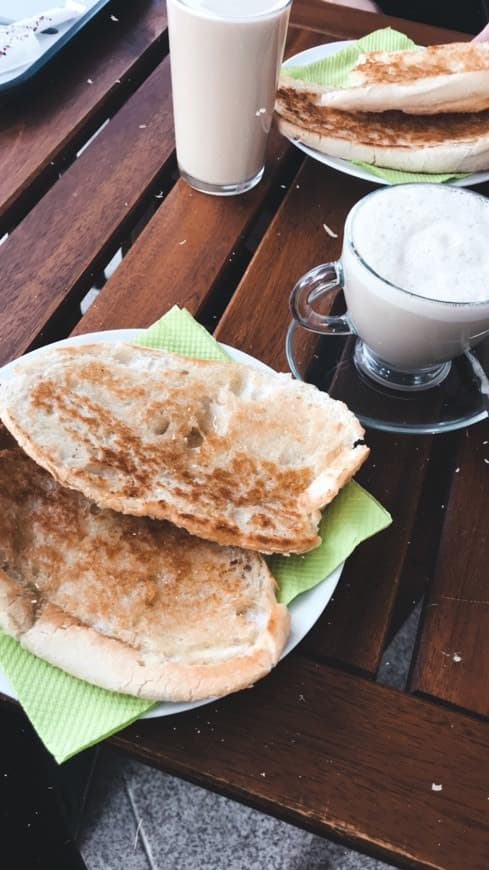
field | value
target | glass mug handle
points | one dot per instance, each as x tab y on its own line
318	283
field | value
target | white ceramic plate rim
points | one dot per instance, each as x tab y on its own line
311	55
305	610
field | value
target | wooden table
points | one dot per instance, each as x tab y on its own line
318	743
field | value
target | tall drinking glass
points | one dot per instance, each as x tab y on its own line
225	59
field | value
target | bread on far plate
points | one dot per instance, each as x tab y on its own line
445	143
130	604
233	454
432	80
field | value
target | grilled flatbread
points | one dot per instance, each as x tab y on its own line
395	140
130	604
433	80
228	452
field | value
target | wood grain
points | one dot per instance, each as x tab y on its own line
341	756
453	658
76	93
342	22
80	220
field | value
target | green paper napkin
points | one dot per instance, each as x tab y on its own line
351	518
69	714
334	71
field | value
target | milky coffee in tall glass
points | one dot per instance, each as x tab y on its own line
225	58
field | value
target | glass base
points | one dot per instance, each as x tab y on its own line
222	189
459	398
369	364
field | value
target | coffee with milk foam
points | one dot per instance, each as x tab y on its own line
437	248
416	272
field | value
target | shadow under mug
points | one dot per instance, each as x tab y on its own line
404	341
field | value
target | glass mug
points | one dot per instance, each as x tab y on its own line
405	339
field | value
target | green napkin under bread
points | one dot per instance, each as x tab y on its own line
70	715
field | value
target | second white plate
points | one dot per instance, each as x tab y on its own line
318	52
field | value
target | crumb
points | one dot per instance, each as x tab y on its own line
436	787
90	81
456	657
330	232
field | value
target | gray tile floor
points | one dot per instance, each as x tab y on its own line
138	818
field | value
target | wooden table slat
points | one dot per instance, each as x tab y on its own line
57	244
453	657
72	98
342	756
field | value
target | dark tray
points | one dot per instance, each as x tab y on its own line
25	74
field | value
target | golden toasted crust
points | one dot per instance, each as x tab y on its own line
425	143
425	81
228	452
407	66
131	604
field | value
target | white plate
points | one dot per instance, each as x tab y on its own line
311	55
304	610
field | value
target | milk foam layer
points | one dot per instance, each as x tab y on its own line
235	8
429	240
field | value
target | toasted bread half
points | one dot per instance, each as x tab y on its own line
230	453
130	604
433	80
395	140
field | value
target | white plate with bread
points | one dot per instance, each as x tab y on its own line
303	610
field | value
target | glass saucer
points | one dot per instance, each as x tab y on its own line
460	400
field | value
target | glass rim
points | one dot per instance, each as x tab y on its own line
201	12
385	190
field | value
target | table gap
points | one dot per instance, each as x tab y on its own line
396	662
448	705
128	241
68	314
